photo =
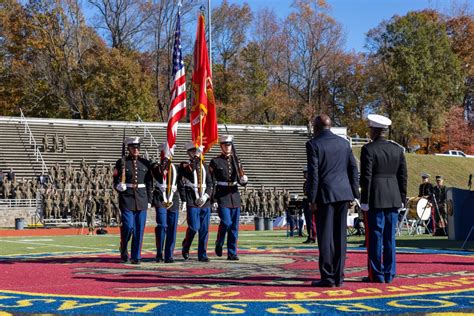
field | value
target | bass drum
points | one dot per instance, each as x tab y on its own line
419	208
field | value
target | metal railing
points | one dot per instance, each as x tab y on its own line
358	141
32	141
18	203
146	131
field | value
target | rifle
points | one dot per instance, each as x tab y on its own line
123	157
236	160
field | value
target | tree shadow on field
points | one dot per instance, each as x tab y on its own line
59	260
176	280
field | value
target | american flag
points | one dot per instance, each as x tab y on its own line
177	108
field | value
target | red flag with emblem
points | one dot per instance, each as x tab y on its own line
204	130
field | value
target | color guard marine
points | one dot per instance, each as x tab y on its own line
134	182
195	189
227	174
166	203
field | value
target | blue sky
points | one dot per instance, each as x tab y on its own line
356	16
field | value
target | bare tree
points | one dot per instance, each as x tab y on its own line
160	29
230	24
124	20
312	36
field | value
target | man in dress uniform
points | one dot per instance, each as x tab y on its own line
166	202
134	182
426	188
227	175
195	189
439	192
332	184
308	215
383	183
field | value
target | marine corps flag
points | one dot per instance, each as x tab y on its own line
203	112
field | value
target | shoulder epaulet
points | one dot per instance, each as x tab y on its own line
397	144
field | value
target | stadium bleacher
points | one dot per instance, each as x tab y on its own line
273	156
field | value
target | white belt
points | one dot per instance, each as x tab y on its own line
163	187
132	185
192	185
226	184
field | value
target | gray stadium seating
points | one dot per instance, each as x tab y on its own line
272	156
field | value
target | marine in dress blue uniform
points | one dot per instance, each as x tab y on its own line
332	183
166	203
383	183
134	182
226	178
195	189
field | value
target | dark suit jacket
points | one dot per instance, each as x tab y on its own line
383	178
332	169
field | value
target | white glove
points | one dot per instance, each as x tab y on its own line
199	150
121	187
202	200
215	206
357	202
244	179
149	205
183	206
364	207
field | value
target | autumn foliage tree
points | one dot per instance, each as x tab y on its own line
267	68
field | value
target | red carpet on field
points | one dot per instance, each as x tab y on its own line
261	276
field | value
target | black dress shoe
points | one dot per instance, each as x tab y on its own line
185	254
169	260
322	283
369	280
159	259
135	261
218	251
123	256
307	241
233	257
204	259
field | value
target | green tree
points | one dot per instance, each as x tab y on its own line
421	74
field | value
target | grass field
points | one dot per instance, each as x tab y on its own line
12	246
455	170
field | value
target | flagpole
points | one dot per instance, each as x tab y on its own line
210	33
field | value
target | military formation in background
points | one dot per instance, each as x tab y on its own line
83	195
264	202
13	188
76	192
54	143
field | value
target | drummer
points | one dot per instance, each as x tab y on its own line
426	188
